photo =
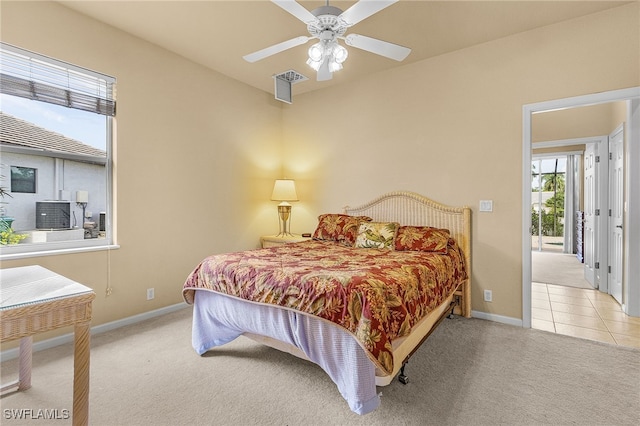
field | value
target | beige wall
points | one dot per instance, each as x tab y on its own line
595	120
451	128
572	123
196	156
194	176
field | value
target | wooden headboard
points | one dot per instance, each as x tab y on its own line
409	208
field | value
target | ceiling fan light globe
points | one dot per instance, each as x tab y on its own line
334	66
316	52
340	54
314	64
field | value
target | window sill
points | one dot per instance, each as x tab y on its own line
6	252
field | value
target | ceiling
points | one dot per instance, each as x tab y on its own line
217	33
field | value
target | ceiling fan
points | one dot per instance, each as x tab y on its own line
328	24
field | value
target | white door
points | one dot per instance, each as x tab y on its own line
616	204
589	238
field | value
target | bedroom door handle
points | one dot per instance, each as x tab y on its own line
619	226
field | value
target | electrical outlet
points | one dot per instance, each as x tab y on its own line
488	296
150	293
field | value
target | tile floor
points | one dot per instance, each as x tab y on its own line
584	313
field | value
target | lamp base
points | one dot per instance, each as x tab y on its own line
284	212
285	234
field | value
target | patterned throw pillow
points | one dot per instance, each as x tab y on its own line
341	228
422	238
377	235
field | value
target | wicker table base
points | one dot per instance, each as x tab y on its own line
35	300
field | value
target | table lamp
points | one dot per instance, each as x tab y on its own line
284	190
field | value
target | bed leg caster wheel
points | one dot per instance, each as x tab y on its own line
402	377
450	316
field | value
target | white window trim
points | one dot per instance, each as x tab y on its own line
55	251
21	251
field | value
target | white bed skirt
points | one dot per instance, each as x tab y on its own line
219	319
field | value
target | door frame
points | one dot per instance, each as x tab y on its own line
631	291
601	281
611	222
602	143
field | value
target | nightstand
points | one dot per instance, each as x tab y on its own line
275	240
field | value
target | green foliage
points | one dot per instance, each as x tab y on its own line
551	226
9	237
553	182
553	211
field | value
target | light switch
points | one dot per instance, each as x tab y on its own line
486	205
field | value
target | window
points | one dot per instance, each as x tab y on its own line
23	179
56	133
548	201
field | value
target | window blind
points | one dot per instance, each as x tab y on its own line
29	75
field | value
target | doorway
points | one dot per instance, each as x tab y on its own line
558	257
631	270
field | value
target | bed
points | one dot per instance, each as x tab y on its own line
358	299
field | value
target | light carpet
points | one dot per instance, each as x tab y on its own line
469	372
558	268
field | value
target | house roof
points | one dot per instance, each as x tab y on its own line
17	132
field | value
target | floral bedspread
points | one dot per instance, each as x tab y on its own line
377	295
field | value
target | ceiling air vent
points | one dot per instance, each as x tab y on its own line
292	76
283	82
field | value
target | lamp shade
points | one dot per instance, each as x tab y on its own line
284	190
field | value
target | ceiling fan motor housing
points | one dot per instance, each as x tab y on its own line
328	20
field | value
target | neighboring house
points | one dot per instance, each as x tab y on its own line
60	166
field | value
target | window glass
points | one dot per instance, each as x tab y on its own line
23	179
56	169
547	198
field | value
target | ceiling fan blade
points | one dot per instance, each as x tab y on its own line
276	48
294	8
363	9
323	72
379	47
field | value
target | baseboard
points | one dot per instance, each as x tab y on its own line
497	318
68	338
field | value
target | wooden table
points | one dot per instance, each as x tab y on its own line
34	300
